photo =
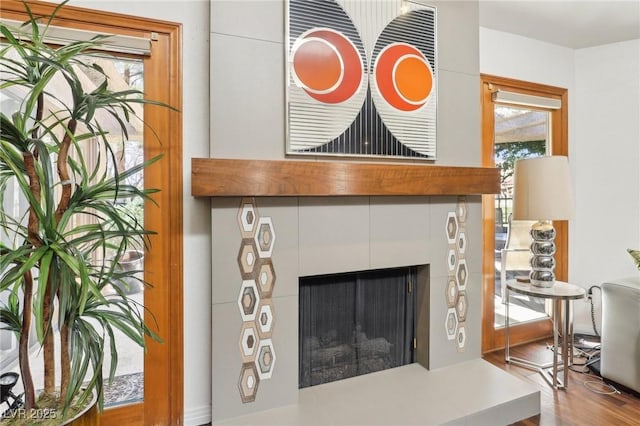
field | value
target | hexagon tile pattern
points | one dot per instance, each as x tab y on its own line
456	295
265	237
451	324
248	258
452	292
254	299
247	217
452	227
266	359
266	278
248	382
248	342
265	320
248	300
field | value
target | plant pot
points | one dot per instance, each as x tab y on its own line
132	260
88	416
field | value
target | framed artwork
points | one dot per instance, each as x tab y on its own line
361	78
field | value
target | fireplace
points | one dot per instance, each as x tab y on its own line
258	345
356	323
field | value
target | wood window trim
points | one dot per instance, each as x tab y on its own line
493	339
164	389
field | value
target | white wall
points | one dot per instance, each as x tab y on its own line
513	56
607	153
604	145
194	14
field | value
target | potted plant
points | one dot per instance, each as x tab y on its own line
63	246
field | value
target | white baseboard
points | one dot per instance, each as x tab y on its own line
197	416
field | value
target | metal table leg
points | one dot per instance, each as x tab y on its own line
562	354
566	342
540	368
555	343
506	325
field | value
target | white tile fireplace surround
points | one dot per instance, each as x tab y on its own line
325	235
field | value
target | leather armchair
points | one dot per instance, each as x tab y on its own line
620	340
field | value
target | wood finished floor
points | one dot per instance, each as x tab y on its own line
578	405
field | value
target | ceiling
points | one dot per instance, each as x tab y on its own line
575	24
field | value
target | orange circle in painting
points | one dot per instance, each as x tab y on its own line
317	65
326	65
403	76
412	79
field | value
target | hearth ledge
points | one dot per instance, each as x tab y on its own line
471	392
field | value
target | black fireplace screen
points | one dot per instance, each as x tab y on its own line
355	323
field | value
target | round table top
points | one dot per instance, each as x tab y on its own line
560	290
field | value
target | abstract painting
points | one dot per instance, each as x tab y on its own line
361	78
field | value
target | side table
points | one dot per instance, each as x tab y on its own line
560	292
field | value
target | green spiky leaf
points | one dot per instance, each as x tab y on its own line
635	254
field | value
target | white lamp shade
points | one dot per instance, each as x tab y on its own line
542	189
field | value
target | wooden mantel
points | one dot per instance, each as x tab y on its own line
214	177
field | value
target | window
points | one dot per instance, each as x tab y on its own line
519	120
161	73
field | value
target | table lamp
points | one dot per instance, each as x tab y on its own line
542	192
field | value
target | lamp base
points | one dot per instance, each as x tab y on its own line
542	278
542	249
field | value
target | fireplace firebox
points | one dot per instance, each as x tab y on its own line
356	323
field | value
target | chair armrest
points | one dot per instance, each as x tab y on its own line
620	337
631	283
